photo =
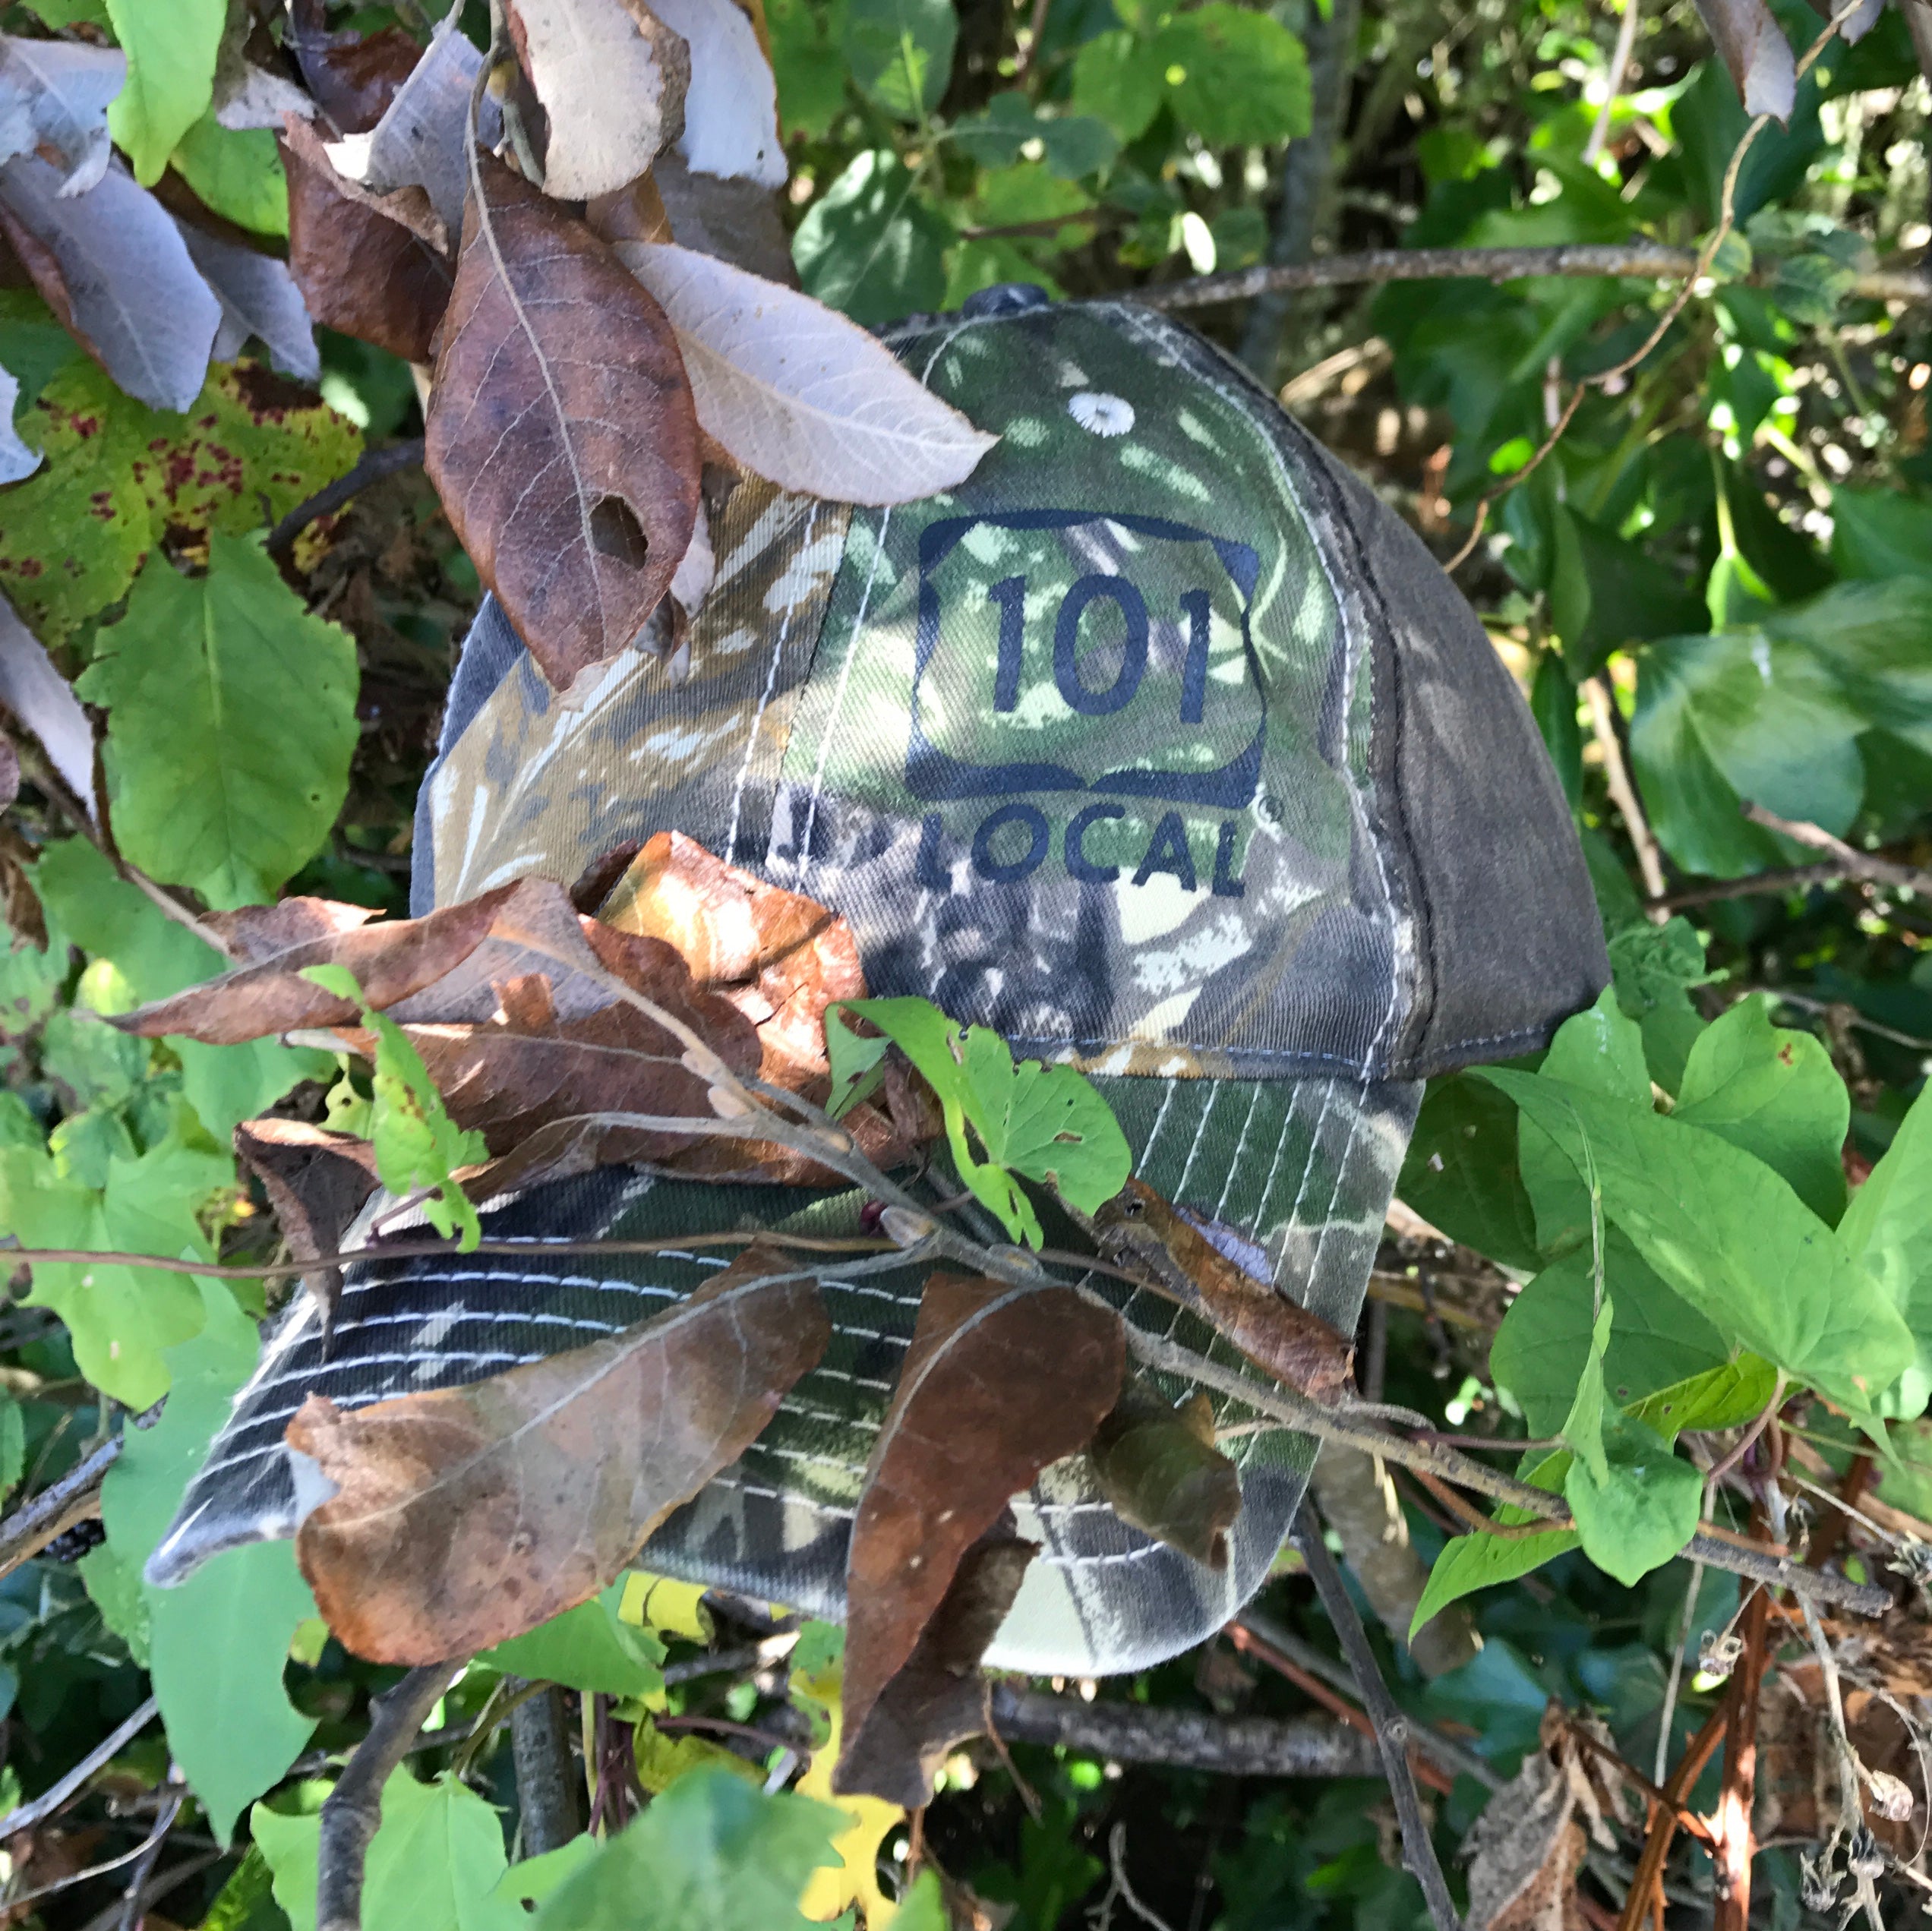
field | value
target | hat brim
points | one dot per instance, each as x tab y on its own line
1304	1168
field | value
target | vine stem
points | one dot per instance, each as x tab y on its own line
352	1811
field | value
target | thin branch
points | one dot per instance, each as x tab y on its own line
163	1824
375	466
1102	1914
1622	792
1849	860
74	1498
1638	260
546	1792
1734	1845
1262	1633
56	1796
352	1811
150	1855
1195	1739
1779	879
1392	1728
1620	62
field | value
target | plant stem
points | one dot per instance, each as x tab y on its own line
352	1811
540	1743
1392	1729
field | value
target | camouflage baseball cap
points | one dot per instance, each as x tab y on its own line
1159	745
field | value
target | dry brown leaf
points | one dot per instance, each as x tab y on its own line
1139	1232
464	1517
611	77
316	1180
738	220
9	774
1157	1464
372	266
1753	47
998	1381
266	995
353	76
939	1696
1524	1852
560	433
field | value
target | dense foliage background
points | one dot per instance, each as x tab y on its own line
1716	590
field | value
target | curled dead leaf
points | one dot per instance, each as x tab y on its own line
561	433
1157	1464
352	76
462	1518
1138	1232
611	77
372	266
998	1382
316	1180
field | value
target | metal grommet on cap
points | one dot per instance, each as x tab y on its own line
1006	299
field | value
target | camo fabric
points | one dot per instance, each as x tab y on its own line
1158	745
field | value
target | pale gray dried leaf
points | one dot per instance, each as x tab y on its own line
42	701
611	78
731	107
794	391
690	582
16	459
122	272
54	96
258	99
420	141
1752	46
258	298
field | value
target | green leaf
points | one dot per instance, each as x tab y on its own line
171	46
900	52
1235	78
1119	79
586	1648
157	956
1636	1503
1724	1397
231	723
1461	1173
13	1443
217	1642
1653	968
1744	714
1656	1340
1880	533
1606	591
1479	1561
1729	1234
1602	1050
711	1854
436	1863
119	475
1043	1123
121	1320
1071	144
1775	1093
418	1146
870	245
237	173
1553	704
527	1885
1889	1227
807	59
1875	640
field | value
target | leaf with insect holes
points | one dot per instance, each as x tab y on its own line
1040	1122
998	1382
418	1146
551	350
465	1517
798	393
611	78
